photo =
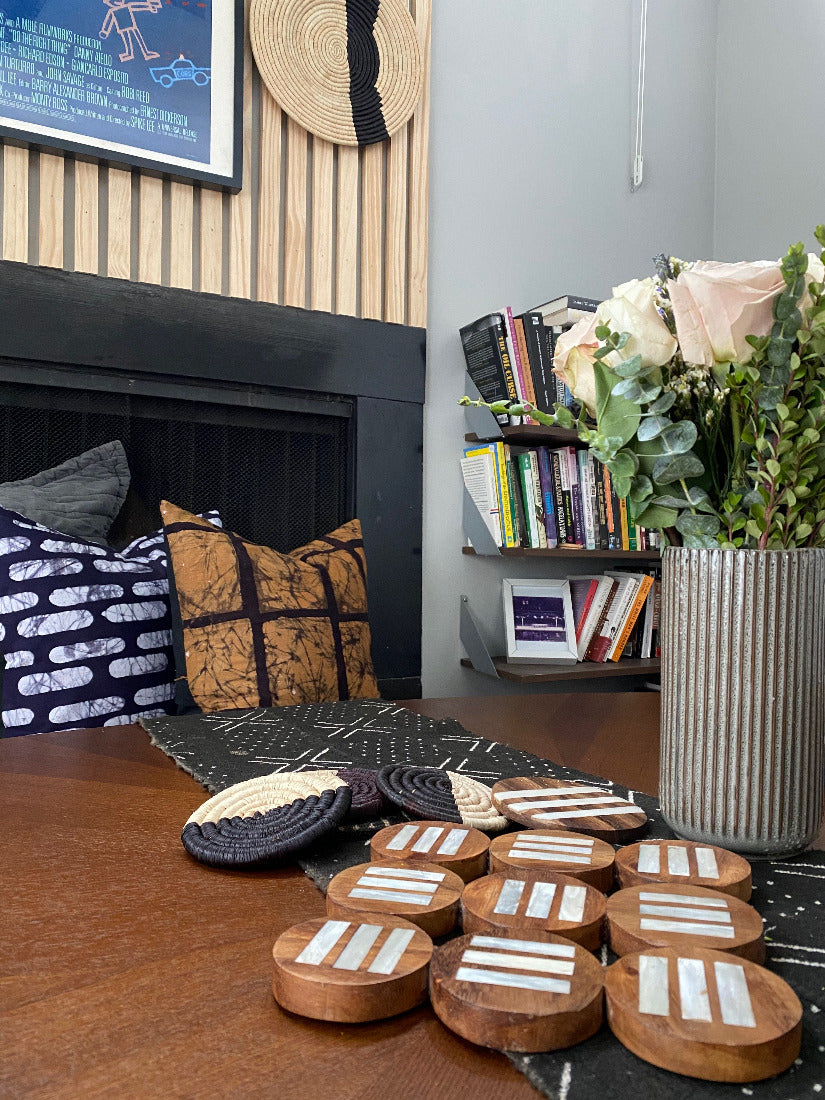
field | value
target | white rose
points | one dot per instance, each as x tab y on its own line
573	361
633	309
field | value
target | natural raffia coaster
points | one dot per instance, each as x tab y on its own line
439	794
263	820
346	70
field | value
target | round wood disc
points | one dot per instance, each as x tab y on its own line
351	971
537	850
440	794
517	994
269	818
458	847
682	917
704	1014
534	907
542	802
423	893
685	862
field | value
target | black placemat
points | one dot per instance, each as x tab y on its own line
221	749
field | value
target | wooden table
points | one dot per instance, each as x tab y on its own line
129	970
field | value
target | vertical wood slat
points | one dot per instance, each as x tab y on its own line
240	204
150	229
322	210
295	244
269	199
119	243
182	202
395	247
86	217
211	240
15	203
346	251
372	204
418	186
50	216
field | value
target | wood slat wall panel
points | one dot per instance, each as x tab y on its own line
344	231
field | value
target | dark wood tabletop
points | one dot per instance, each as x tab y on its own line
130	970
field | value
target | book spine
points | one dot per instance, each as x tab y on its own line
605	587
538	499
631	617
546	481
575	496
507	361
558	495
624	524
506	504
480	479
512	349
588	514
540	365
483	358
601	505
525	474
567	496
632	529
597	647
613	518
625	590
527	377
519	529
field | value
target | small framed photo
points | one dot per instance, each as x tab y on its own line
538	619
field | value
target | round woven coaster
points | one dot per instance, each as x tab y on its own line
367	801
440	795
266	819
346	70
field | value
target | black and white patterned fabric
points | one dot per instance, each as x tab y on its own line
221	749
85	630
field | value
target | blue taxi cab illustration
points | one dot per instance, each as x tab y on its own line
180	69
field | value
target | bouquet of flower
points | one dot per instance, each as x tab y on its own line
702	390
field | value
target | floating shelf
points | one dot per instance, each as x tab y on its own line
528	433
563	552
585	670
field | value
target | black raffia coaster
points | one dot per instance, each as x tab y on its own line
440	795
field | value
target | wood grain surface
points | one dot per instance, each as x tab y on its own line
517	994
701	1013
685	862
351	971
536	850
459	848
423	893
538	801
671	915
536	907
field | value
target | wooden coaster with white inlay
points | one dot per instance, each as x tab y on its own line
351	971
537	850
704	1014
423	893
542	802
535	907
457	847
670	915
685	862
514	993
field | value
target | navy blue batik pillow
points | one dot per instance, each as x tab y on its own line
85	631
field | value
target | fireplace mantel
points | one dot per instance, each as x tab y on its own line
116	333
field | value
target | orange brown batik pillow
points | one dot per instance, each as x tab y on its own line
261	628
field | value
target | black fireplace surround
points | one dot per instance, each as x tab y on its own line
288	421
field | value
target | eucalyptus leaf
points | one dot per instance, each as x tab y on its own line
670	468
700	542
690	524
655	516
616	415
664	402
771	396
652	426
629	368
564	417
679	437
641	489
624	465
630	388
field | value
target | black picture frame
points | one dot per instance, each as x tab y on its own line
45	120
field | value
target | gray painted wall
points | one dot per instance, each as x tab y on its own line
770	163
533	105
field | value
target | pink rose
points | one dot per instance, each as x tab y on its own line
716	305
573	361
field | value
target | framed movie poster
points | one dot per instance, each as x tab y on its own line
152	83
538	621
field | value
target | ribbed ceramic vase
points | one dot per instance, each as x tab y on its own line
743	697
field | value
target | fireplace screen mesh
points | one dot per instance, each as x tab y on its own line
277	478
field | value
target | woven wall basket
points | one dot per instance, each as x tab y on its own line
348	71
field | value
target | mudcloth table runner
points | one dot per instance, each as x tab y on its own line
221	749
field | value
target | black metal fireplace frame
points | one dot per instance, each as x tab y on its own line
51	320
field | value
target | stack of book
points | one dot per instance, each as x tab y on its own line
540	497
616	614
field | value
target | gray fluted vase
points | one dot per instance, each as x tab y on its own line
743	697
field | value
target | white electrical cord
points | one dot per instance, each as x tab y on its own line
638	158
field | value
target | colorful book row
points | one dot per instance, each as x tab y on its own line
616	614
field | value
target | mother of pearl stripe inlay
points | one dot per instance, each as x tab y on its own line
654	995
734	997
390	954
693	990
323	942
706	863
541	900
405	872
402	838
554	841
677	860
397	884
648	859
694	1002
687	928
683	899
391	895
555	857
556	803
631	811
516	981
452	842
519	962
712	916
543	792
572	903
428	838
509	896
358	947
561	950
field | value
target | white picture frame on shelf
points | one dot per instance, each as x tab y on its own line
538	621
